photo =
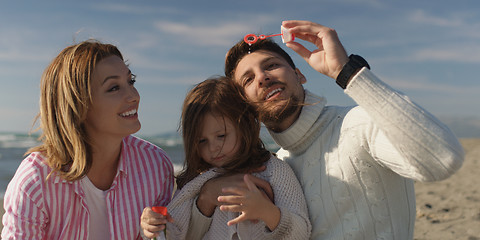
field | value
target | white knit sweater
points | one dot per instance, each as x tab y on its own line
357	164
294	222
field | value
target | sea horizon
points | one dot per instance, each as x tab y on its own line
13	146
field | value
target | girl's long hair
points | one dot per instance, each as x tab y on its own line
220	96
65	96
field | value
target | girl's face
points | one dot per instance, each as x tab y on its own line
218	140
115	100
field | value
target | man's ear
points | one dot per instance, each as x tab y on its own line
301	77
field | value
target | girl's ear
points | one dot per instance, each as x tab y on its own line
301	77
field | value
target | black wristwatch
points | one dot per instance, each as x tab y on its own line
354	63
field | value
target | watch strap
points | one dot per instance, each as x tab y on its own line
354	63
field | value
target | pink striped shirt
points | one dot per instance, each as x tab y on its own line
57	209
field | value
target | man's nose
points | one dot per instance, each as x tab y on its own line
263	79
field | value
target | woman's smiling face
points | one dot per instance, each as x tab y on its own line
115	100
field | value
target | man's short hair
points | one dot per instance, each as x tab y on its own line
239	50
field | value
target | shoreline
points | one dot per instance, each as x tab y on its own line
447	209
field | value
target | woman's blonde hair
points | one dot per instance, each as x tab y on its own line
65	96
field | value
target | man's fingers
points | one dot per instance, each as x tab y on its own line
264	185
250	185
231	208
236	220
299	49
230	200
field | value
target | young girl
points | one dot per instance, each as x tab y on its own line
89	179
221	136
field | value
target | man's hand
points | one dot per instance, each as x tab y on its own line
251	204
212	189
329	57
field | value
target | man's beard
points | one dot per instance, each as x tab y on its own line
275	112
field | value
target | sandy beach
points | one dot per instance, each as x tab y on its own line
449	209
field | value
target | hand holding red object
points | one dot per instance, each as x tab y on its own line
160	209
164	211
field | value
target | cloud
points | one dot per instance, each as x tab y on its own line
456	53
133	8
419	16
377	4
459	25
16	45
219	34
421	84
22	57
206	33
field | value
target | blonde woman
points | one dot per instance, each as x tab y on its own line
89	178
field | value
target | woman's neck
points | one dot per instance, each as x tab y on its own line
105	159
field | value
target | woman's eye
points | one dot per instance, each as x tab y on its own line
221	136
114	88
202	141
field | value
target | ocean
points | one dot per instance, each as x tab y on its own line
14	145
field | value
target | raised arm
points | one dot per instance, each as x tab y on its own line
409	140
414	143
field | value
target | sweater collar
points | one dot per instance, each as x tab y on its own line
303	128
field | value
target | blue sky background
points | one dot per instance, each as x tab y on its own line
429	50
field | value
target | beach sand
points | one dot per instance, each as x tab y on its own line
449	209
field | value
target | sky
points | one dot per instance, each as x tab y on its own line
429	50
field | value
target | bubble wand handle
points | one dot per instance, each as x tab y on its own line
164	211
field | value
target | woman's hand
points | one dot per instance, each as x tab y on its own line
152	223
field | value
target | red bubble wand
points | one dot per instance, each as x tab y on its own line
286	36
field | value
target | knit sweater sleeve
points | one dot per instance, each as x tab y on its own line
180	208
423	148
199	223
289	198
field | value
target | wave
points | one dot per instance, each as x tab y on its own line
12	140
